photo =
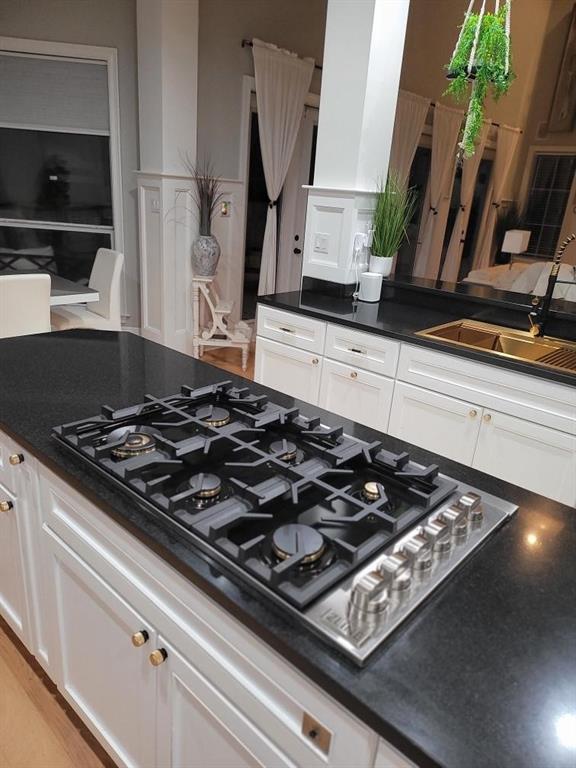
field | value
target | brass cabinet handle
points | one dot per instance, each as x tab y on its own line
315	361
473	413
353	375
487	417
6	506
158	657
140	638
15	459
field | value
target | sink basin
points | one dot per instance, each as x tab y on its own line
519	345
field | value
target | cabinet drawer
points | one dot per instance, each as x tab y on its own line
296	330
517	394
438	423
287	369
365	350
356	394
534	457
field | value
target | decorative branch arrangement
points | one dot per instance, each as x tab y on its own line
481	57
206	192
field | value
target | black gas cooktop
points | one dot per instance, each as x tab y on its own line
292	504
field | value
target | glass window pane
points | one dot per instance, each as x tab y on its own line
50	176
68	254
565	173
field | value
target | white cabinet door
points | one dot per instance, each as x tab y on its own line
441	424
288	369
12	585
198	727
540	459
356	394
110	683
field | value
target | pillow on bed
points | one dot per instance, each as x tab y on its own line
526	281
566	272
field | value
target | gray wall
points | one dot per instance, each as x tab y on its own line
294	24
110	23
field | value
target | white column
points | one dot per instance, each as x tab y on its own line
362	61
167	91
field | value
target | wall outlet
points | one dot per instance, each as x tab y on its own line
321	242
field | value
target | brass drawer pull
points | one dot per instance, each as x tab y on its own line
6	506
487	418
158	657
473	413
315	361
357	351
140	638
15	459
353	375
286	330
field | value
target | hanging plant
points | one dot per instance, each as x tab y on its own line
481	58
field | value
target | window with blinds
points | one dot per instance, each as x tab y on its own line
55	164
547	200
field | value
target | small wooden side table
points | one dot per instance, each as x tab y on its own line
218	333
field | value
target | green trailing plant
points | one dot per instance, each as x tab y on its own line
480	64
395	206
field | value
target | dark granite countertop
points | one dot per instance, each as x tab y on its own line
483	675
399	317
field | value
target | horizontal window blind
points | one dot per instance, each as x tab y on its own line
52	92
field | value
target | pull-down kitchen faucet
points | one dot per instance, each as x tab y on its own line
539	315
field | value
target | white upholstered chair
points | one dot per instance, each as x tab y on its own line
104	314
24	304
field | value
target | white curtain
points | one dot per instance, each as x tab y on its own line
445	132
411	112
282	83
506	145
467	185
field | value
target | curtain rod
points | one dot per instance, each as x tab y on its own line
496	125
249	44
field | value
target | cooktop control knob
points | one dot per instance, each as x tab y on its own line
371	593
456	520
419	549
439	534
471	503
396	567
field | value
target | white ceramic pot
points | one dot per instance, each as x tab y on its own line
205	255
381	265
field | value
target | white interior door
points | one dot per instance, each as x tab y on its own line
293	210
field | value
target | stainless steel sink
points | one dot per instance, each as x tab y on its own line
518	345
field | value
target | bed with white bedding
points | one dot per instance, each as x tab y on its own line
527	278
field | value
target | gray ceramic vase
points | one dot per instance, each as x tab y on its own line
205	255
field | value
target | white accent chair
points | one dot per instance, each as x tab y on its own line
104	314
24	305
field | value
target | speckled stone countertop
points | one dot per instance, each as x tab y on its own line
483	675
400	319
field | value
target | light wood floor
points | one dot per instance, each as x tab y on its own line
230	360
37	728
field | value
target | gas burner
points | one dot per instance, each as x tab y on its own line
205	486
213	415
286	450
138	440
298	540
372	491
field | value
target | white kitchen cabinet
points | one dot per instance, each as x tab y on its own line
356	394
293	371
529	455
198	727
108	681
13	601
441	424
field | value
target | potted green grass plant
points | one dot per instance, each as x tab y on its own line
480	65
395	204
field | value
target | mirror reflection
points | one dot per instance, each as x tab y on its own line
498	218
